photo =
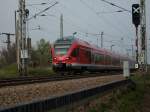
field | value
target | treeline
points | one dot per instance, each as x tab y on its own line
8	56
40	55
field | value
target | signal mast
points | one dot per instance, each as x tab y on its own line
143	36
139	18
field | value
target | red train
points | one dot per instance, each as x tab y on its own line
73	54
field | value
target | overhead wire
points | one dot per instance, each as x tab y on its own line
79	29
104	19
40	12
120	7
72	22
113	4
43	30
75	15
113	12
76	26
110	12
67	21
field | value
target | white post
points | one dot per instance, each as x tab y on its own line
126	69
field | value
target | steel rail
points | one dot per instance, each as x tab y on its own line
40	79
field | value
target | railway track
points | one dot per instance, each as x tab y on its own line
40	79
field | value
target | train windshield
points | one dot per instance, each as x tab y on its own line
61	49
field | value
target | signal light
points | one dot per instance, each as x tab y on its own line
136	14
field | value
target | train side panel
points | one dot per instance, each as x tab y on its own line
82	56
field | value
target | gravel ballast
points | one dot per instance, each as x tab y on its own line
13	95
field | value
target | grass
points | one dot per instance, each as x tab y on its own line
8	71
125	100
40	71
131	101
11	71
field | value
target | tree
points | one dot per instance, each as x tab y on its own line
8	56
42	52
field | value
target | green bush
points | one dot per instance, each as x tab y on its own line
11	71
8	71
126	100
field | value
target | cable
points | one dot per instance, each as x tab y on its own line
116	5
36	4
74	15
110	12
42	11
84	32
104	19
39	15
123	9
72	22
74	25
107	22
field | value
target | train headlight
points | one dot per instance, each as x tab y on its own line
55	58
67	58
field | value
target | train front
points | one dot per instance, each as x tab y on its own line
60	54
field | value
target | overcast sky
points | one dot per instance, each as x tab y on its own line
81	16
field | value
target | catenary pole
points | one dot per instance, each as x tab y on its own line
61	26
143	34
102	33
22	34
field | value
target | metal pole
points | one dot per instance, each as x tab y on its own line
102	33
8	42
132	52
61	26
143	33
97	41
111	47
22	30
17	41
137	45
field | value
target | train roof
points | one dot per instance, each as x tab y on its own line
68	39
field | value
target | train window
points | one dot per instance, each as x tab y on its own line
61	49
99	58
75	52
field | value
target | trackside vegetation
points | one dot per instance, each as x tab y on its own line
126	100
10	71
39	63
